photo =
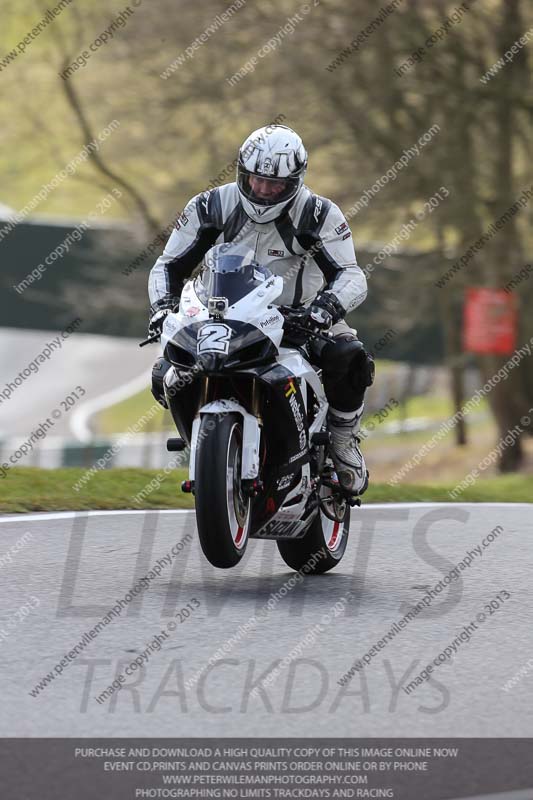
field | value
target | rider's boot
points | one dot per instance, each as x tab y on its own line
343	427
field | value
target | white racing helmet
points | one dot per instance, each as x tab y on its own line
270	171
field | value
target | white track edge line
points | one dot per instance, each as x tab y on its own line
101	513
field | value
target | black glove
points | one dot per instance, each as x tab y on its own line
158	315
324	311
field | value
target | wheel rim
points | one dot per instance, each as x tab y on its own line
238	505
333	531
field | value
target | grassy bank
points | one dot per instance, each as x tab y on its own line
29	489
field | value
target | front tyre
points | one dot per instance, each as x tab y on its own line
223	512
321	548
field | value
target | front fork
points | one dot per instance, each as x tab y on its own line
251	424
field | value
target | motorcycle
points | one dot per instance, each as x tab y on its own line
237	377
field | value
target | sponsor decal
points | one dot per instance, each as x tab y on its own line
341	228
301	454
346	236
318	208
289	388
285	481
277	253
181	221
258	276
290	393
281	528
192	311
298	418
269	321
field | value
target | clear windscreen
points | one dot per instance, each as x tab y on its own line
230	271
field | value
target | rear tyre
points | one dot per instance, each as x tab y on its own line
223	512
322	547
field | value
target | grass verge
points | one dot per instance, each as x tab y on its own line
30	489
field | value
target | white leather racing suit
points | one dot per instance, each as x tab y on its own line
310	246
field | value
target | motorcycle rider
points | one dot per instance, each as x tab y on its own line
306	240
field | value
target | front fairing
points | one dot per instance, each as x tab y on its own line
214	346
250	331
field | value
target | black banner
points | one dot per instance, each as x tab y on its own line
406	769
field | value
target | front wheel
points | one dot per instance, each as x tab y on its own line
323	545
223	512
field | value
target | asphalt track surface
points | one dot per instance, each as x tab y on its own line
76	566
97	363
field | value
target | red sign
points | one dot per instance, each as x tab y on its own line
490	321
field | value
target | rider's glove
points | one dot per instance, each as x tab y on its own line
325	311
157	318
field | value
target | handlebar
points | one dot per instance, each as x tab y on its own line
290	314
315	334
151	339
287	311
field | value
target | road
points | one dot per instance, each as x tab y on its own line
77	566
97	363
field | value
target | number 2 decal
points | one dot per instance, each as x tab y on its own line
213	338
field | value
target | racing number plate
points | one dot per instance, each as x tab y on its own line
213	338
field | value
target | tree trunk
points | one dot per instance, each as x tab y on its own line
507	398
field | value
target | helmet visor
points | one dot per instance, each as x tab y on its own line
265	191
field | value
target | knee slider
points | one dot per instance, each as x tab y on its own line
347	355
367	367
338	354
359	364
